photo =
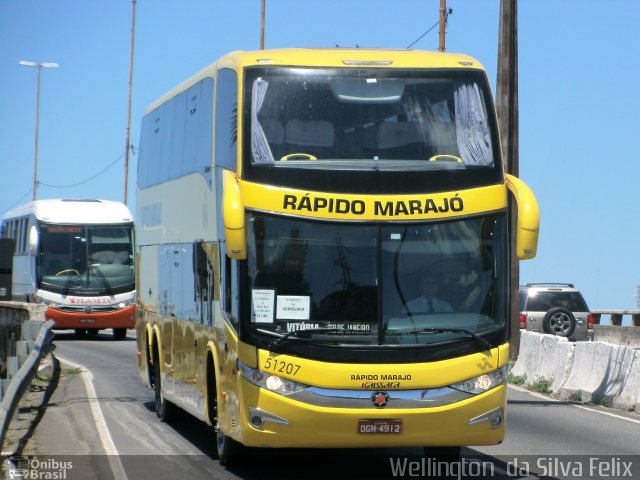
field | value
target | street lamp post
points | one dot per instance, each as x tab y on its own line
39	66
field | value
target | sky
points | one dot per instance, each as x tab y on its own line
578	103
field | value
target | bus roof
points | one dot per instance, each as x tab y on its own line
328	57
73	211
349	57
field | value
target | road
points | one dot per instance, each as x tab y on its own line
539	429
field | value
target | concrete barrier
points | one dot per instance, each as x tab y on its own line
595	372
618	335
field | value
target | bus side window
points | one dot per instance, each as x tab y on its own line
203	278
230	288
226	147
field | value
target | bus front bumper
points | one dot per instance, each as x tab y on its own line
479	420
122	318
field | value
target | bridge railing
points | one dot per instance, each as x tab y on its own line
24	340
616	316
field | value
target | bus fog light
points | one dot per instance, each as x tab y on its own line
258	418
495	418
256	422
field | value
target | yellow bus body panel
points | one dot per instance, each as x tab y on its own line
415	207
322	427
312	426
356	376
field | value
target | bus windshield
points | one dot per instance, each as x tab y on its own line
86	260
376	284
370	119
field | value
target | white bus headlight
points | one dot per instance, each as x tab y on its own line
484	382
273	383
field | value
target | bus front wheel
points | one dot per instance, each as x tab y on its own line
119	333
228	449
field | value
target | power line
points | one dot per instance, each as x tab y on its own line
19	200
74	184
88	179
421	36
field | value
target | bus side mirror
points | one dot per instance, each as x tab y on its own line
33	240
528	218
233	217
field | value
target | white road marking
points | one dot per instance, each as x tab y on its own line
582	407
101	425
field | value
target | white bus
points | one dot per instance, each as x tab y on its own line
76	257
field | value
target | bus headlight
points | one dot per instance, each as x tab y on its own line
126	304
50	303
268	381
484	382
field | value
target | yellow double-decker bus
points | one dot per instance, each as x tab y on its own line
323	251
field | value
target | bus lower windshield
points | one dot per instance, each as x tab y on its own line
376	284
86	260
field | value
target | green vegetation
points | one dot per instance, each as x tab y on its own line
517	379
576	396
542	385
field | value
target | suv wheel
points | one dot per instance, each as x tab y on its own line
559	321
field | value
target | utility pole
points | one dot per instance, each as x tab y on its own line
507	110
39	66
443	23
262	15
127	147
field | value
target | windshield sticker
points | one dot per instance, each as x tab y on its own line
292	307
262	305
336	328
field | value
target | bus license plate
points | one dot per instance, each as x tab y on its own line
380	426
87	320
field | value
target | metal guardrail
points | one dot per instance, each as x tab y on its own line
22	379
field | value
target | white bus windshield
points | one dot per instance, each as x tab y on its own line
381	119
86	260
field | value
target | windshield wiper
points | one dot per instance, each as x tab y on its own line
483	343
67	283
107	285
308	331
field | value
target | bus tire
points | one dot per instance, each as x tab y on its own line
165	410
228	449
119	333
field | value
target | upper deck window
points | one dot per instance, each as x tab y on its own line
370	119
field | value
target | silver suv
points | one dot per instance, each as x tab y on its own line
554	308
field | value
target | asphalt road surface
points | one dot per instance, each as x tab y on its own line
113	432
